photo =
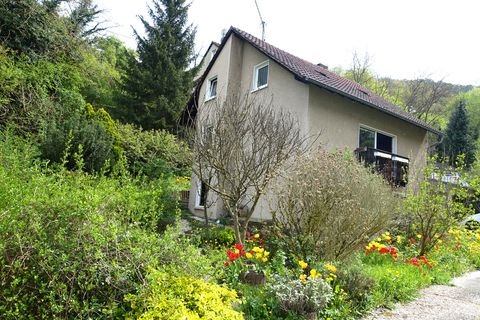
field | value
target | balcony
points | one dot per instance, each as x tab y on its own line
392	166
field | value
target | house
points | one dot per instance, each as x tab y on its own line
347	114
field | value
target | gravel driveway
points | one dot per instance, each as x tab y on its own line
461	301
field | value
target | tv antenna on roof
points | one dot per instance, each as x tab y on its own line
262	22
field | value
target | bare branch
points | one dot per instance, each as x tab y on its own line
239	146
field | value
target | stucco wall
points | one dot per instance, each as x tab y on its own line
234	69
339	120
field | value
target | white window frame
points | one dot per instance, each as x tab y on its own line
198	195
394	137
208	95
256	68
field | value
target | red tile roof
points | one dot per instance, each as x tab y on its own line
311	73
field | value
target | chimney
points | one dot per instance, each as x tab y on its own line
322	65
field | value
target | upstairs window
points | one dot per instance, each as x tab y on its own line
260	76
373	139
211	88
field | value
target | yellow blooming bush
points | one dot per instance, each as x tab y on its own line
170	297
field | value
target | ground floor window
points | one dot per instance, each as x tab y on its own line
201	194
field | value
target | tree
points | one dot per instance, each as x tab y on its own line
360	71
239	146
425	98
458	141
158	81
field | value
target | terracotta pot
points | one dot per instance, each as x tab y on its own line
253	277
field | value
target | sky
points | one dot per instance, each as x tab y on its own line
405	39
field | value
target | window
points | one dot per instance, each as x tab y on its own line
373	139
201	194
211	88
206	135
260	76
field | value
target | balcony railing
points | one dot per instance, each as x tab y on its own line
392	166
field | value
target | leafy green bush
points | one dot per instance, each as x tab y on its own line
358	287
89	134
259	303
178	297
217	236
322	214
434	206
154	153
71	244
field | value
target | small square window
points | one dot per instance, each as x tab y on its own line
212	88
260	76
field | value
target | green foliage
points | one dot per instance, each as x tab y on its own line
159	82
90	134
104	68
154	153
45	32
177	297
399	283
358	287
434	206
259	303
218	236
73	245
458	141
323	214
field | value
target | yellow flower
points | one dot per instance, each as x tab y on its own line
331	267
302	264
249	255
264	260
266	253
314	274
237	251
258	256
379	239
256	236
387	233
399	239
303	277
419	236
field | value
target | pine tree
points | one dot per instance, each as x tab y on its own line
458	140
158	80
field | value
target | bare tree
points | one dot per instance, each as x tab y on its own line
360	69
361	72
239	145
426	98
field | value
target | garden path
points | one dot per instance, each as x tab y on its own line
460	301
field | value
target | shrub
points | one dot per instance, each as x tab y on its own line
301	297
70	243
259	303
176	297
154	153
330	204
435	206
358	286
89	134
218	236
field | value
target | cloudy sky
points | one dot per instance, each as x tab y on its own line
405	39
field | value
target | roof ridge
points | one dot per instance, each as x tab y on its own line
308	72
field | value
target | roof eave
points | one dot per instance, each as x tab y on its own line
356	99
